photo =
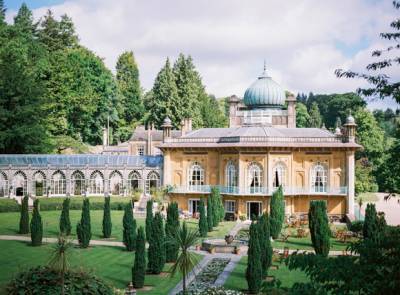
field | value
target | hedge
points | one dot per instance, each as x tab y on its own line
9	205
96	203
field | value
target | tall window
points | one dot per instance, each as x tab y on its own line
134	181
96	183
140	150
39	183
231	174
116	184
279	174
230	206
3	185
319	178
152	181
255	178
78	186
58	185
196	175
19	183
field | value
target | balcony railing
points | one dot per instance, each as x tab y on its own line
260	139
263	191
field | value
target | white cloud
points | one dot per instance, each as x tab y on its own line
229	39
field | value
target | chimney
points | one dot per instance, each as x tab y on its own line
291	120
149	138
233	105
186	126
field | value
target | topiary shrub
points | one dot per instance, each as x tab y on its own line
254	268
265	243
45	280
277	213
129	228
139	266
210	214
36	225
24	218
203	225
65	222
171	229
370	227
83	229
107	225
356	226
319	227
156	251
149	219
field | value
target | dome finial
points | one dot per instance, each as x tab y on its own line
265	66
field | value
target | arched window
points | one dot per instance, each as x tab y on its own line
78	186
39	183
255	178
116	183
231	174
152	181
58	185
96	183
19	184
196	175
279	174
319	178
134	181
3	184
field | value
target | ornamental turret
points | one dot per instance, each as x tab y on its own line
350	129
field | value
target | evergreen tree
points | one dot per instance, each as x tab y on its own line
265	243
156	251
149	219
83	228
164	99
319	227
221	208
129	228
171	229
203	225
302	116
254	269
65	222
36	225
210	214
24	219
315	116
277	213
139	266
107	225
215	205
371	228
23	21
129	86
2	13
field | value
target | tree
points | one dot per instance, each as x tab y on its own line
265	242
2	13
36	225
210	214
382	85
212	115
65	222
319	227
149	219
315	116
164	98
277	213
24	219
185	239
370	229
203	225
139	266
215	203
156	251
129	228
365	180
171	228
107	225
221	208
254	272
129	86
23	21
59	259
83	228
302	116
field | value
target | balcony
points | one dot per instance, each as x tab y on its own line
261	191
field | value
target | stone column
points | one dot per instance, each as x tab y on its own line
350	180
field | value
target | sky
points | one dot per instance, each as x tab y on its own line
302	41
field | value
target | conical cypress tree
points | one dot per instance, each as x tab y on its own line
319	227
107	225
129	231
370	228
171	229
149	219
203	225
265	243
156	251
65	222
215	207
83	228
139	266
254	269
221	209
24	219
277	213
210	221
36	225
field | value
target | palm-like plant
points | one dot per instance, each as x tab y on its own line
184	239
59	258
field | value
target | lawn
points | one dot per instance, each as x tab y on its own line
237	279
9	223
112	264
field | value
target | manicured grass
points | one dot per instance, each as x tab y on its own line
9	223
237	279
112	264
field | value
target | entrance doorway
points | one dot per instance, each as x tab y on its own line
194	206
253	209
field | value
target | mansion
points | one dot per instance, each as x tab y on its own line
260	150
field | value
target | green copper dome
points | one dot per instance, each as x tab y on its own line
264	92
